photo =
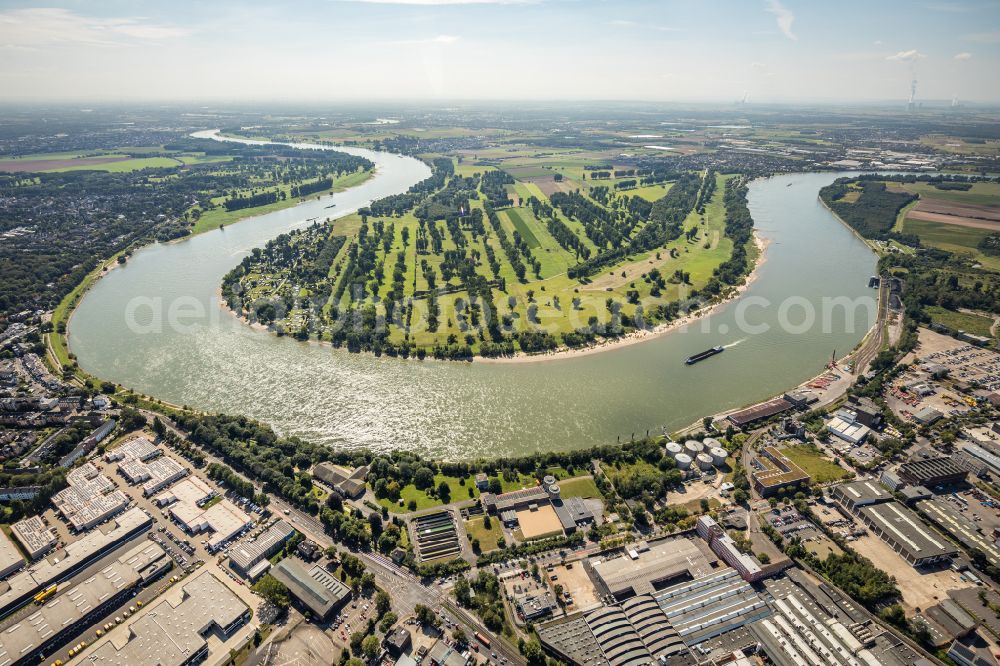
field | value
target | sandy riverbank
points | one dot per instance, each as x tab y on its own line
637	337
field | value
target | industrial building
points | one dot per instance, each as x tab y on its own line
535	605
960	528
773	472
723	545
191	490
176	634
250	559
845	425
315	587
902	529
443	654
711	605
65	615
979	453
224	520
540	510
765	410
90	499
25	584
857	494
10	557
35	537
931	471
137	448
646	568
154	475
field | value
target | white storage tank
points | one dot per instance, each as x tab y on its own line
683	461
711	442
693	447
718	455
704	461
549	480
554	491
673	448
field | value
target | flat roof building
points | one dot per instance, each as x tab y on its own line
10	557
35	537
845	426
711	605
65	562
225	520
90	499
243	557
931	471
137	448
315	587
63	616
989	459
191	490
572	513
960	528
902	529
745	417
857	494
154	475
772	472
724	546
649	568
176	634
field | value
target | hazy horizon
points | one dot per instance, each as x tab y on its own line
405	51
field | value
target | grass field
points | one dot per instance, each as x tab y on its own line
960	321
815	465
580	487
425	501
216	217
131	164
488	538
517	220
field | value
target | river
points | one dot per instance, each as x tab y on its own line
121	332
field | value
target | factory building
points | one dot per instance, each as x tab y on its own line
773	472
91	498
175	632
137	448
28	582
857	494
35	537
64	616
902	529
711	605
644	569
724	546
931	471
315	588
250	559
350	484
960	528
979	453
223	520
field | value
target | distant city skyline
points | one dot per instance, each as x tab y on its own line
764	51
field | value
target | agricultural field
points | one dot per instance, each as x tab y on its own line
961	321
112	161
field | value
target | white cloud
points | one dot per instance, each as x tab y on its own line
785	18
757	65
446	2
53	26
964	55
906	56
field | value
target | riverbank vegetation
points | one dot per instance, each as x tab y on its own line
478	262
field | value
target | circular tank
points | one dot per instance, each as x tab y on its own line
704	461
549	480
683	461
718	455
673	448
711	442
554	489
693	447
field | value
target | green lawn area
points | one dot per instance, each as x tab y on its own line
650	192
815	465
960	321
580	487
522	228
488	538
220	216
425	501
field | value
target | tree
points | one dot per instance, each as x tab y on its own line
387	621
533	653
382	603
423	478
273	591
444	492
371	646
425	615
459	636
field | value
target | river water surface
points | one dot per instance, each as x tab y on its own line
120	332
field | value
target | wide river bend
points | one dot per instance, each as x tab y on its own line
156	325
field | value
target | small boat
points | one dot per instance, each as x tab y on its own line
701	356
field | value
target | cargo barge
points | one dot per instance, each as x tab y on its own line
701	356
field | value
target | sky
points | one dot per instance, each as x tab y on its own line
770	51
